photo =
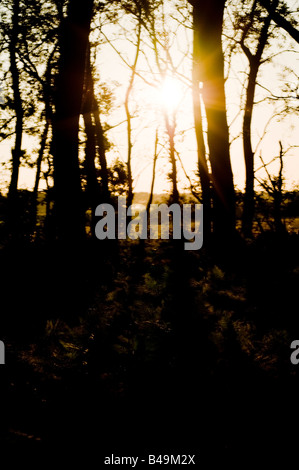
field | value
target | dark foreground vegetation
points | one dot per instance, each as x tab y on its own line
130	348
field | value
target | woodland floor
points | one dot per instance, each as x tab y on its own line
137	349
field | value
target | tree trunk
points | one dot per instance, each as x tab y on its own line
96	134
41	152
254	64
248	208
93	188
129	119
18	107
101	152
208	19
48	114
129	155
201	148
151	195
42	147
278	195
69	210
170	128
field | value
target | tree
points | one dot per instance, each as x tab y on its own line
32	53
163	60
274	188
255	60
95	148
38	54
92	185
128	113
279	17
147	14
201	147
156	154
17	99
208	21
74	33
101	149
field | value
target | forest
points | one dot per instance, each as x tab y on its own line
117	343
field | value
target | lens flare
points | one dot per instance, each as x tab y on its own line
171	94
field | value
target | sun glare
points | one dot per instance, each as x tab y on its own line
171	93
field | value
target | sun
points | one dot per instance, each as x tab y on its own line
171	94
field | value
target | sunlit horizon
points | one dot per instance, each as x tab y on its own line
153	93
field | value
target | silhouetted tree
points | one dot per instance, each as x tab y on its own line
162	68
47	114
273	185
75	31
151	195
201	147
92	184
31	37
17	99
208	21
255	60
128	113
282	17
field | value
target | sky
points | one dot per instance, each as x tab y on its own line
147	103
267	131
